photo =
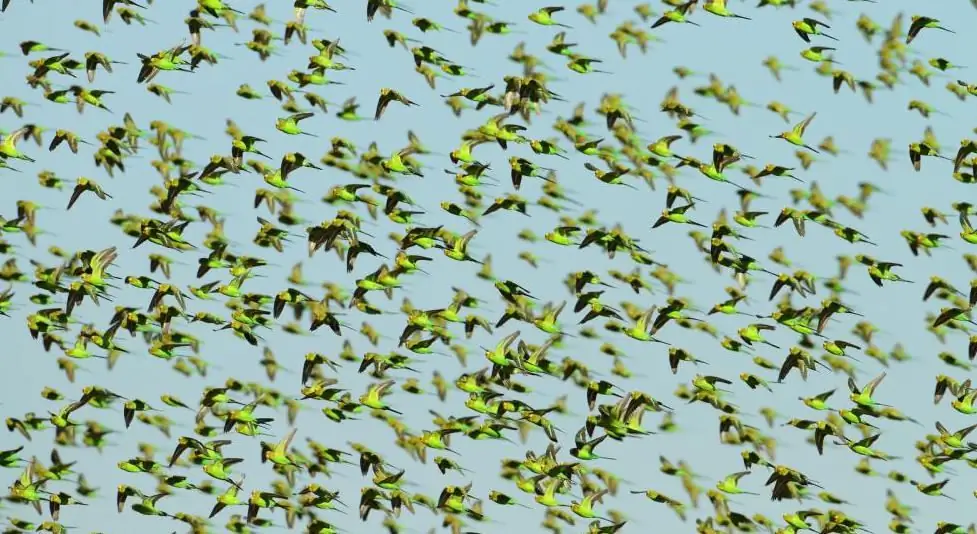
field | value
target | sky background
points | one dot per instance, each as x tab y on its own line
731	49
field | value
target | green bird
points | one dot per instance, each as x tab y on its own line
228	498
676	215
880	271
807	27
662	147
279	453
9	458
677	15
585	507
166	60
730	484
796	135
383	6
752	333
754	381
290	125
934	489
387	96
954	440
816	54
544	16
584	65
547	321
31	47
373	398
863	447
8	145
641	330
718	8
219	469
457	248
246	144
919	22
148	505
838	347
965	400
863	397
818	402
583	448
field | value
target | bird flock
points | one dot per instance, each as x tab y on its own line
375	266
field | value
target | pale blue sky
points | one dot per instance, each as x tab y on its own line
732	49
